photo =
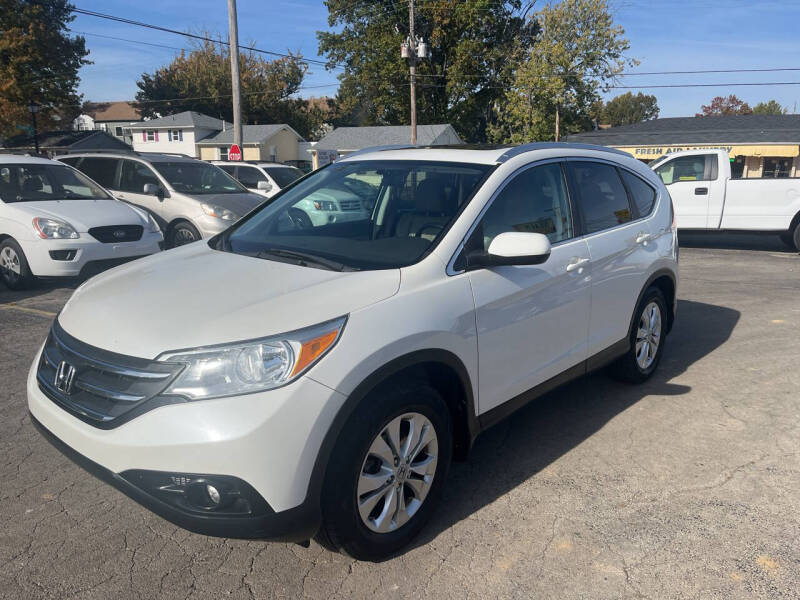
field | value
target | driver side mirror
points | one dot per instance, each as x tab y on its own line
264	186
512	248
151	189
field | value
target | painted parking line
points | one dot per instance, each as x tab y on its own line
25	309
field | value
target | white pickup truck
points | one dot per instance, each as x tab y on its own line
706	197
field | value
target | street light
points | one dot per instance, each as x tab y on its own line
34	108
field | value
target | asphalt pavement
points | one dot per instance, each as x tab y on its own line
685	487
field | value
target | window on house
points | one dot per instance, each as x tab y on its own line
118	131
175	135
223	153
776	168
150	135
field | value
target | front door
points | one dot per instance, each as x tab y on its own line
532	320
132	179
691	183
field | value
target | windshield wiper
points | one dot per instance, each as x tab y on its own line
303	259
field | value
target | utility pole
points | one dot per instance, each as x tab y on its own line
233	39
412	61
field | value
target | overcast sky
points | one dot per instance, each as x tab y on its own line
671	35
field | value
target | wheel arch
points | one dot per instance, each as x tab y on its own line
664	280
442	369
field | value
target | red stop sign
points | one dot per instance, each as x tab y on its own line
234	153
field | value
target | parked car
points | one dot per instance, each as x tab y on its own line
56	222
300	380
265	178
707	197
189	198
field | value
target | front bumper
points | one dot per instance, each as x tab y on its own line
89	253
270	441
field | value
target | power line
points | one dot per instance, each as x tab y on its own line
127	21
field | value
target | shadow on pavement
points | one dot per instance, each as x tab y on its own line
724	240
505	456
38	288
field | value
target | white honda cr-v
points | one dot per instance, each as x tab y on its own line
284	380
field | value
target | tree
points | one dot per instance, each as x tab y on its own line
724	107
769	108
627	109
201	81
470	44
577	54
39	62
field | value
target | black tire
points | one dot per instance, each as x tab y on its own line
792	238
343	527
627	367
10	249
183	233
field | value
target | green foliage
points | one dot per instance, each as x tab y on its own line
471	43
722	106
39	61
769	108
577	54
201	81
627	109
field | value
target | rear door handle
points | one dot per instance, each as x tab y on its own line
576	264
701	191
643	237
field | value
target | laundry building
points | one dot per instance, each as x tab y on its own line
759	146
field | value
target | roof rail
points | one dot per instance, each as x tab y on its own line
98	151
380	149
516	151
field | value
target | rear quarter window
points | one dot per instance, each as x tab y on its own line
642	194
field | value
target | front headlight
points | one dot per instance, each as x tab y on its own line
53	229
212	210
253	366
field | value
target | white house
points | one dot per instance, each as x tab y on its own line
115	118
178	133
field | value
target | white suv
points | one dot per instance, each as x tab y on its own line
265	178
302	380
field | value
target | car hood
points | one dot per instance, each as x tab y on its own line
83	214
241	204
195	296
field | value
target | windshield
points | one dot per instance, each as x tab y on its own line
20	182
283	176
198	178
360	215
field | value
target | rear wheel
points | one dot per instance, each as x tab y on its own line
386	472
14	269
646	340
183	233
792	238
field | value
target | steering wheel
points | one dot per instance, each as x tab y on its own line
438	227
299	219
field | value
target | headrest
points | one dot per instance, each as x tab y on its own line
33	184
432	198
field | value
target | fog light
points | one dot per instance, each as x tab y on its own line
213	494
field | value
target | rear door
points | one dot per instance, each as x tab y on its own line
532	320
102	169
694	185
618	247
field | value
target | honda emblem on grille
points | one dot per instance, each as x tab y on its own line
65	375
119	234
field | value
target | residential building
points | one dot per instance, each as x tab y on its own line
114	118
54	143
344	140
275	143
177	134
759	146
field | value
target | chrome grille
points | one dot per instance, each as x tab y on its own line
102	388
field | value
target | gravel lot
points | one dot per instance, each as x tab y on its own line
688	486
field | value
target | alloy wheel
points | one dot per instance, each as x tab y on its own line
648	335
9	264
183	236
397	472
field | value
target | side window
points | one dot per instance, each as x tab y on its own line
683	168
72	161
642	194
102	170
250	176
603	199
134	175
534	201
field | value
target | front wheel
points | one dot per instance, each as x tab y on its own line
183	233
386	472
792	238
14	269
646	340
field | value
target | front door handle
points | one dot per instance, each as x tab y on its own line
701	191
643	237
576	264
